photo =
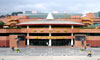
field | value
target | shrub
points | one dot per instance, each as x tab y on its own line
58	31
88	28
39	37
36	37
41	30
2	23
34	30
65	30
50	30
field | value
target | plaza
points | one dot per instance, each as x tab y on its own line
50	53
49	58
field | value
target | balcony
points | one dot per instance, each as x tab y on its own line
89	30
93	38
13	30
3	30
53	30
4	38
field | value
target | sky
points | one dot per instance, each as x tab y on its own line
68	6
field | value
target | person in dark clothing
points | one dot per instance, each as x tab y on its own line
90	54
13	49
2	59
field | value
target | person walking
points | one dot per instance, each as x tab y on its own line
13	49
2	59
90	54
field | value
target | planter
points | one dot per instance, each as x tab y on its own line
34	31
37	37
50	30
41	30
58	31
65	30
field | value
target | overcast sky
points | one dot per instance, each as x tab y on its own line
70	6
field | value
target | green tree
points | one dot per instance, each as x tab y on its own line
2	23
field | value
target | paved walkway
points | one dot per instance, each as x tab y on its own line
49	58
49	52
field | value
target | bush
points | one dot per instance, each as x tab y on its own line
11	27
50	30
65	30
88	28
58	31
34	31
2	23
41	30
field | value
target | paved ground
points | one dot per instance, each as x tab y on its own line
49	58
49	52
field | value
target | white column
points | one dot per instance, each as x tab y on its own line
49	36
72	26
28	39
49	40
28	35
27	27
49	27
72	39
71	34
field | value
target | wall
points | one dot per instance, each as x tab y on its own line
13	41
4	41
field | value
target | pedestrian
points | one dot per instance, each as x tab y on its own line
85	47
13	49
90	54
2	59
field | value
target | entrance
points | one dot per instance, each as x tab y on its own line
54	42
61	42
39	42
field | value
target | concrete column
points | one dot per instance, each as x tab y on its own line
72	34
49	27
27	27
49	36
28	35
72	39
28	39
72	27
49	42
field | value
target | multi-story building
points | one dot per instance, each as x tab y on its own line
53	29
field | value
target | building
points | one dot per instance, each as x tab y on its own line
50	29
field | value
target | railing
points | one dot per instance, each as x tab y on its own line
92	37
54	30
89	22
4	38
89	30
13	30
50	37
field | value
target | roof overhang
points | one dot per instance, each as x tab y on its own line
50	22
